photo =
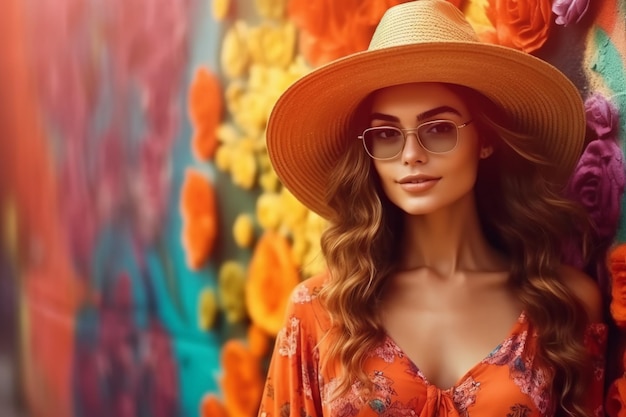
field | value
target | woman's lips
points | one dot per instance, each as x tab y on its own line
418	183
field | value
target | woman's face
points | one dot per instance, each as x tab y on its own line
417	181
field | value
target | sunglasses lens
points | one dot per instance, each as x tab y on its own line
383	142
438	136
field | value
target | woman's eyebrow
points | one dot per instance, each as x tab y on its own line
420	117
437	110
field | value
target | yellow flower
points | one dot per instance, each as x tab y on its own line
313	262
227	136
235	91
315	225
243	168
235	56
271	44
207	309
269	181
231	288
299	247
243	231
252	113
220	9
271	9
295	213
475	13
223	158
268	211
227	133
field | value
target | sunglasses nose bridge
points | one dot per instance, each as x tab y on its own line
412	131
417	146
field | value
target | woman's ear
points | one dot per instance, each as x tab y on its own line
485	151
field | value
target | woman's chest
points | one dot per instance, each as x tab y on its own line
506	383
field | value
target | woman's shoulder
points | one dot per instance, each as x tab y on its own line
586	289
305	303
308	290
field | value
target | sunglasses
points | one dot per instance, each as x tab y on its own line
387	142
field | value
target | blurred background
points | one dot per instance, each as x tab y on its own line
147	248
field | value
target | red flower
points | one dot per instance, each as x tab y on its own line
205	112
242	384
330	29
522	25
198	209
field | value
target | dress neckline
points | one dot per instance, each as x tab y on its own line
514	329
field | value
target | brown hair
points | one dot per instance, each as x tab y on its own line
516	205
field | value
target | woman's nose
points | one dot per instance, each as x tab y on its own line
413	152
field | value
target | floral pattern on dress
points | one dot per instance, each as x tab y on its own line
519	410
297	385
465	395
387	351
347	405
303	294
531	380
287	338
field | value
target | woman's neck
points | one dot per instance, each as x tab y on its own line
449	241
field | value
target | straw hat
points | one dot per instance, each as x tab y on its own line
419	41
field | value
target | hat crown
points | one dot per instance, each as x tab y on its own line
422	21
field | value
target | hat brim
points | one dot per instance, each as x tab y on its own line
307	130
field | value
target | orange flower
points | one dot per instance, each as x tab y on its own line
617	268
330	29
616	398
212	407
272	275
522	25
258	341
615	404
242	384
198	210
205	112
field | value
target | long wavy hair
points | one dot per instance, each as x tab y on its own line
522	214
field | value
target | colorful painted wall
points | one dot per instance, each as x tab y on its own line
147	246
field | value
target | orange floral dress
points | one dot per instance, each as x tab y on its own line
507	383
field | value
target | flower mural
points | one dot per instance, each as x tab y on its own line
121	366
199	213
598	184
331	29
150	135
520	25
569	11
206	108
272	275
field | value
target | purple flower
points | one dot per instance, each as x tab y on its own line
602	115
599	178
598	184
569	11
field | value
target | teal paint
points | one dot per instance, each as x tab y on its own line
609	64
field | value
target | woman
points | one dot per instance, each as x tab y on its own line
438	161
